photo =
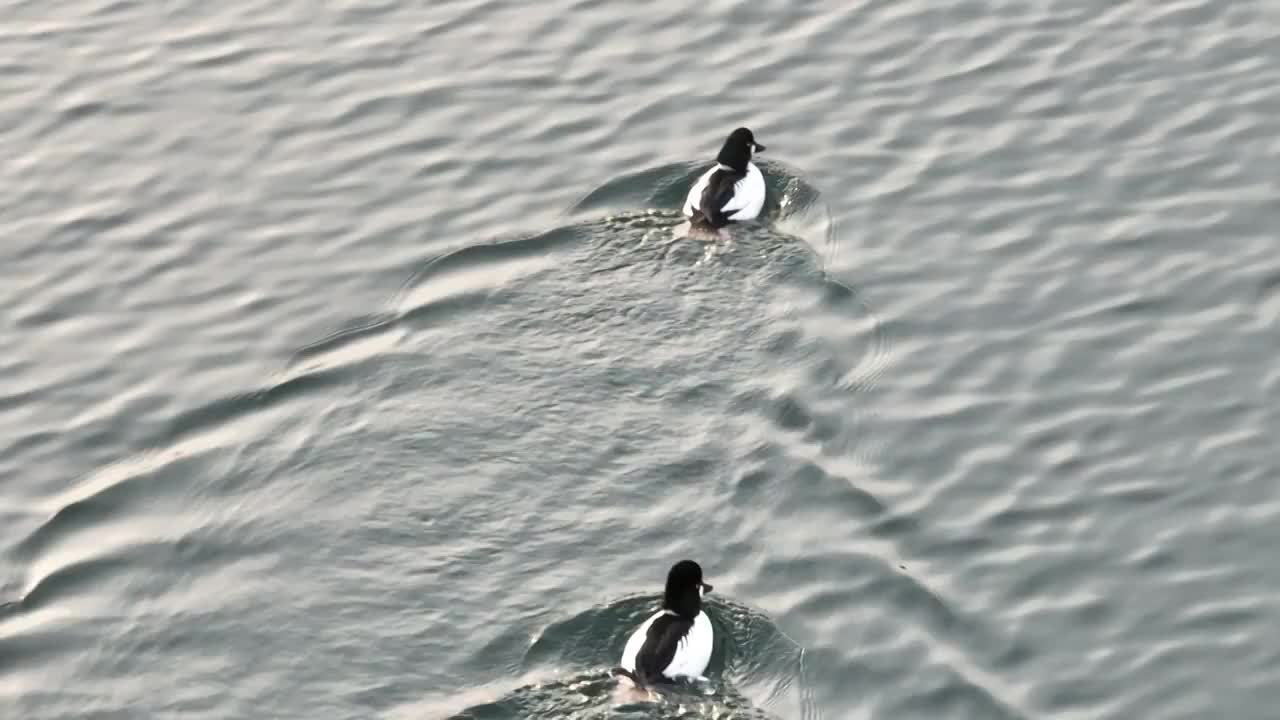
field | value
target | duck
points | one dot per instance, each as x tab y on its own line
733	189
674	644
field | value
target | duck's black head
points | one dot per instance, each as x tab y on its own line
738	149
685	589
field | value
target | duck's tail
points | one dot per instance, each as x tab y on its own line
704	228
698	220
623	672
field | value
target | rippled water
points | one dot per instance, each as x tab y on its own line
356	364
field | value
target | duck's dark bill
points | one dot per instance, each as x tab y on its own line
759	147
706	587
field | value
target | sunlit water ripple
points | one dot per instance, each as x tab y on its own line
355	364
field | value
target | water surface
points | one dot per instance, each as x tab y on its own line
355	364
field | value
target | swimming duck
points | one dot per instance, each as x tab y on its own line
676	641
732	189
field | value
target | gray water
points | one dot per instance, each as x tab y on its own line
355	364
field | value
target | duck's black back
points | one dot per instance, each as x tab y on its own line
660	645
717	194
